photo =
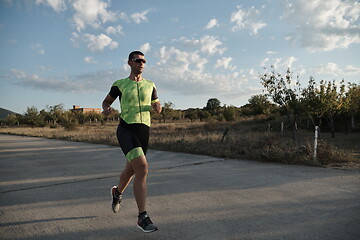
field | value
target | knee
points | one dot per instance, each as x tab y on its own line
142	171
127	173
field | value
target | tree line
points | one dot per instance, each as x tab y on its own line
325	101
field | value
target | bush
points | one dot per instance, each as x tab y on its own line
329	154
211	125
70	126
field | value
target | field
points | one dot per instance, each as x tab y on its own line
252	139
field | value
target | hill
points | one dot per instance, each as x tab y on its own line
4	113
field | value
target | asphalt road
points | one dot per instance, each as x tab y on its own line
52	189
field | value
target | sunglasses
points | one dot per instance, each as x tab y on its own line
139	60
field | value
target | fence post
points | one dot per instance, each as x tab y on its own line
282	129
315	142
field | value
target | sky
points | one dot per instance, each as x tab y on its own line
71	51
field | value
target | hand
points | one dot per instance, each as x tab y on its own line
107	111
157	107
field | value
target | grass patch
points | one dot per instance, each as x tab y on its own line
244	139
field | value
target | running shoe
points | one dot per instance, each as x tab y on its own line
116	199
145	224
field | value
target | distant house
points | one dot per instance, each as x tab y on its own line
85	110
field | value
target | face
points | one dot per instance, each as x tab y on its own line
137	64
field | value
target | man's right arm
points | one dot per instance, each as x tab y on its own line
106	105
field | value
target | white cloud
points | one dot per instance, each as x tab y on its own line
57	5
271	52
92	13
212	23
140	17
18	73
75	39
334	69
210	45
90	60
289	62
114	30
145	47
184	72
182	60
207	44
37	48
99	43
253	74
75	84
279	63
247	19
324	25
35	81
225	62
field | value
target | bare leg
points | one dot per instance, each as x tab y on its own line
125	177
140	168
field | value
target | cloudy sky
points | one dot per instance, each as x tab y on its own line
71	51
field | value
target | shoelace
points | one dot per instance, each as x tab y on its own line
146	221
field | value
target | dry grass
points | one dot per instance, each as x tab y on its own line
100	134
244	139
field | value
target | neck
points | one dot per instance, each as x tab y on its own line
135	77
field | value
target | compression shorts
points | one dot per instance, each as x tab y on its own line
133	139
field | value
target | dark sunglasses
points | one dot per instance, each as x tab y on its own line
139	60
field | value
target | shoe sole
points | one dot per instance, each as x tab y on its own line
111	193
147	231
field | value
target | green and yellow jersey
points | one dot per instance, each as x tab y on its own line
135	99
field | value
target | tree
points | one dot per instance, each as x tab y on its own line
203	115
327	101
31	116
212	105
353	101
285	92
334	102
167	110
56	113
259	104
313	101
11	119
192	114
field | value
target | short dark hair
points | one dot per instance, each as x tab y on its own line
133	53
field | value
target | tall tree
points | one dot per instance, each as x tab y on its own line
167	110
313	101
353	101
334	102
284	91
212	105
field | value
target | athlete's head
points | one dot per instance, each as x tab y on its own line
133	54
137	62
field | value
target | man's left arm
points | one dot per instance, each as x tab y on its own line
155	102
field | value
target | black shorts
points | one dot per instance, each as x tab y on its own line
133	139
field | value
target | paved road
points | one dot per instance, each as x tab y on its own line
53	189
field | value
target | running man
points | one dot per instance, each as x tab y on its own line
137	96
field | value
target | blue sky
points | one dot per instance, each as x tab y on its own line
71	51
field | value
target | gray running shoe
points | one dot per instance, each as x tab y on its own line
116	199
145	224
